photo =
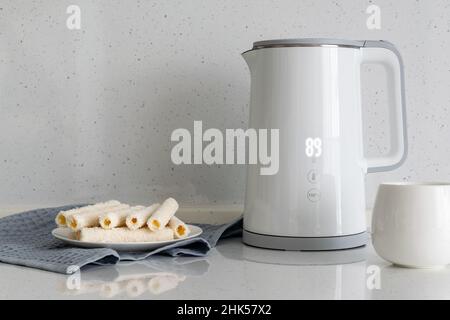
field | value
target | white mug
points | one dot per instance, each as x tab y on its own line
411	224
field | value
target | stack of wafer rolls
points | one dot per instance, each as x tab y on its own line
116	222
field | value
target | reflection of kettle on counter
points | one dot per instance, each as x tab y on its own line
134	278
236	251
309	275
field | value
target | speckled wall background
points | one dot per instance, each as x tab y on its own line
87	114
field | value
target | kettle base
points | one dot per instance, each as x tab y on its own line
304	243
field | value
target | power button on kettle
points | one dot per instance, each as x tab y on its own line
313	195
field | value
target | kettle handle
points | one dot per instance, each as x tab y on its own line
385	53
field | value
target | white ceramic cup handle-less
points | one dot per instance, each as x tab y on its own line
385	53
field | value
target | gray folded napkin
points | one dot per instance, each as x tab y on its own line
25	239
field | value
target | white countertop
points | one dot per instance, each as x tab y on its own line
234	271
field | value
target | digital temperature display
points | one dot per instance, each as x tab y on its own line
313	149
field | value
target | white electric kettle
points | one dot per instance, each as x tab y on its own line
310	90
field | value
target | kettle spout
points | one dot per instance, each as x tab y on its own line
250	58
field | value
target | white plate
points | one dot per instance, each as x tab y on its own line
67	235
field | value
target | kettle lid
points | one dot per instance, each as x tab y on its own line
308	42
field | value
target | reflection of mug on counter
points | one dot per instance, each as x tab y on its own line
422	284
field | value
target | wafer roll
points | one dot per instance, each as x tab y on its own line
119	235
117	218
90	218
160	218
63	216
180	229
139	218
